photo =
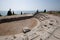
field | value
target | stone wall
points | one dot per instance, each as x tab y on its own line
14	19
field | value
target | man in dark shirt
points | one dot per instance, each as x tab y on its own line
9	12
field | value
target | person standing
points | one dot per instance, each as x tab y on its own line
9	12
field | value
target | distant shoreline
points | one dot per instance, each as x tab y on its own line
4	13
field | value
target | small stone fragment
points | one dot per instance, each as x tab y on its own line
50	24
45	25
14	37
26	30
40	38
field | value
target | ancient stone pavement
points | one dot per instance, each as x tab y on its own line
47	28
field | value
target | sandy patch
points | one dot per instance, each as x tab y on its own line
16	26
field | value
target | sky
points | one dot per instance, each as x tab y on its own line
30	4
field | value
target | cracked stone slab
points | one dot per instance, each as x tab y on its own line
57	33
52	38
48	25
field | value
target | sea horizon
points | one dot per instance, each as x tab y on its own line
4	13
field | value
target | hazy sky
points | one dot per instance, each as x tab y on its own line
30	4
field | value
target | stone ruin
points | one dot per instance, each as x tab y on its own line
44	30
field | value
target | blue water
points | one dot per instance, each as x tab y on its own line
4	13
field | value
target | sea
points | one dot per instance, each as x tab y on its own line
4	13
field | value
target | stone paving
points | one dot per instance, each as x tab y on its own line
47	28
44	30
